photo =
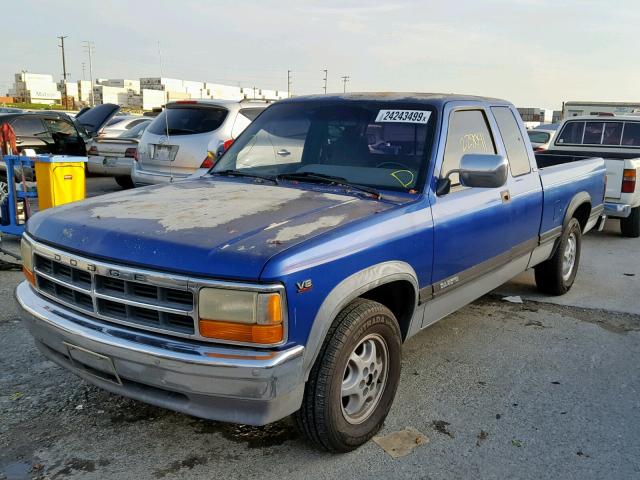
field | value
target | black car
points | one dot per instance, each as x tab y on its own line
56	132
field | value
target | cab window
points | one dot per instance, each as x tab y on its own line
468	133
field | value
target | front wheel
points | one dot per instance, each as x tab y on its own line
556	275
353	382
630	226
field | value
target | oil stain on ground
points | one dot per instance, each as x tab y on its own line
255	437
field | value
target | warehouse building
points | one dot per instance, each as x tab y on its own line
575	109
35	88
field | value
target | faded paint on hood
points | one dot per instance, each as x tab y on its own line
221	228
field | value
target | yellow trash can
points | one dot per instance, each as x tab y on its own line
60	179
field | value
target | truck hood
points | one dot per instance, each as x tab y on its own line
221	228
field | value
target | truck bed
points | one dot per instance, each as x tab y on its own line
561	182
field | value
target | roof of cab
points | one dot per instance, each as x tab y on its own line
426	98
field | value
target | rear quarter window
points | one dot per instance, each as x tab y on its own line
513	141
539	137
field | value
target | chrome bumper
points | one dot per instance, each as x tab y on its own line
228	384
617	210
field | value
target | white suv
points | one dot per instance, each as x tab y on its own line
188	135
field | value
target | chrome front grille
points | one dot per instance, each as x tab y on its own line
117	295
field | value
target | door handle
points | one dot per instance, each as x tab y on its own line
506	196
283	152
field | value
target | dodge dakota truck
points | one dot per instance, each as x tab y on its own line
286	279
617	140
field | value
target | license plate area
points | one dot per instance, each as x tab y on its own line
164	153
93	363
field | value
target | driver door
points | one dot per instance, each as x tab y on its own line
471	225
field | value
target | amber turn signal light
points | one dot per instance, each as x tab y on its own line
239	332
28	274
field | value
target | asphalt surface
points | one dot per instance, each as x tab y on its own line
501	390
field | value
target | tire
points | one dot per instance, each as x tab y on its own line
328	417
630	226
125	181
556	275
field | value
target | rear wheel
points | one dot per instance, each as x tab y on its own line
125	181
353	383
556	275
630	226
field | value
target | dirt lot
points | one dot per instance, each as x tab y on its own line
501	390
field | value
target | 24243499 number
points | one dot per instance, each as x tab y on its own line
403	116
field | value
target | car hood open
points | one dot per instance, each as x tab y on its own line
212	228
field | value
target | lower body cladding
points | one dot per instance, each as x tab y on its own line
253	387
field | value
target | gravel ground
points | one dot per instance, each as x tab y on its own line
501	390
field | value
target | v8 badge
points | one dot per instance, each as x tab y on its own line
304	286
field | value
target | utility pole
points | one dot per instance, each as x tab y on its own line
90	48
325	80
64	71
288	83
345	79
83	70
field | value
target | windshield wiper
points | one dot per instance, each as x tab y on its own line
329	179
240	173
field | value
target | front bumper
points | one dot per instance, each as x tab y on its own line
617	210
237	385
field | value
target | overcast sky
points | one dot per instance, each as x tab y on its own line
535	53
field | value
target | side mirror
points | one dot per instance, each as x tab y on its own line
478	171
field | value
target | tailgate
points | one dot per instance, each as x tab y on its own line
615	168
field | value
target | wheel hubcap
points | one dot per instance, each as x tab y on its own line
364	378
569	256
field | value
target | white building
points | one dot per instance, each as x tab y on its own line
35	88
574	109
106	94
132	85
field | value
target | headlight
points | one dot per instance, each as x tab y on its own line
26	252
241	316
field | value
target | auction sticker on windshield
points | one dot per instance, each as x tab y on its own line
403	116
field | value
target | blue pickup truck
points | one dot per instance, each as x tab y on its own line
286	280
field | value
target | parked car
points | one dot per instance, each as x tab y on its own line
540	138
120	124
188	136
617	139
50	132
285	287
114	155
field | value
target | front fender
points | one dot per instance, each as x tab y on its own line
348	289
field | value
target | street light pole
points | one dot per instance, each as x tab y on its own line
325	80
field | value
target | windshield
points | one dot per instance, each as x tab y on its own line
188	120
367	143
135	132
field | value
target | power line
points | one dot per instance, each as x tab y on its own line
325	80
345	79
